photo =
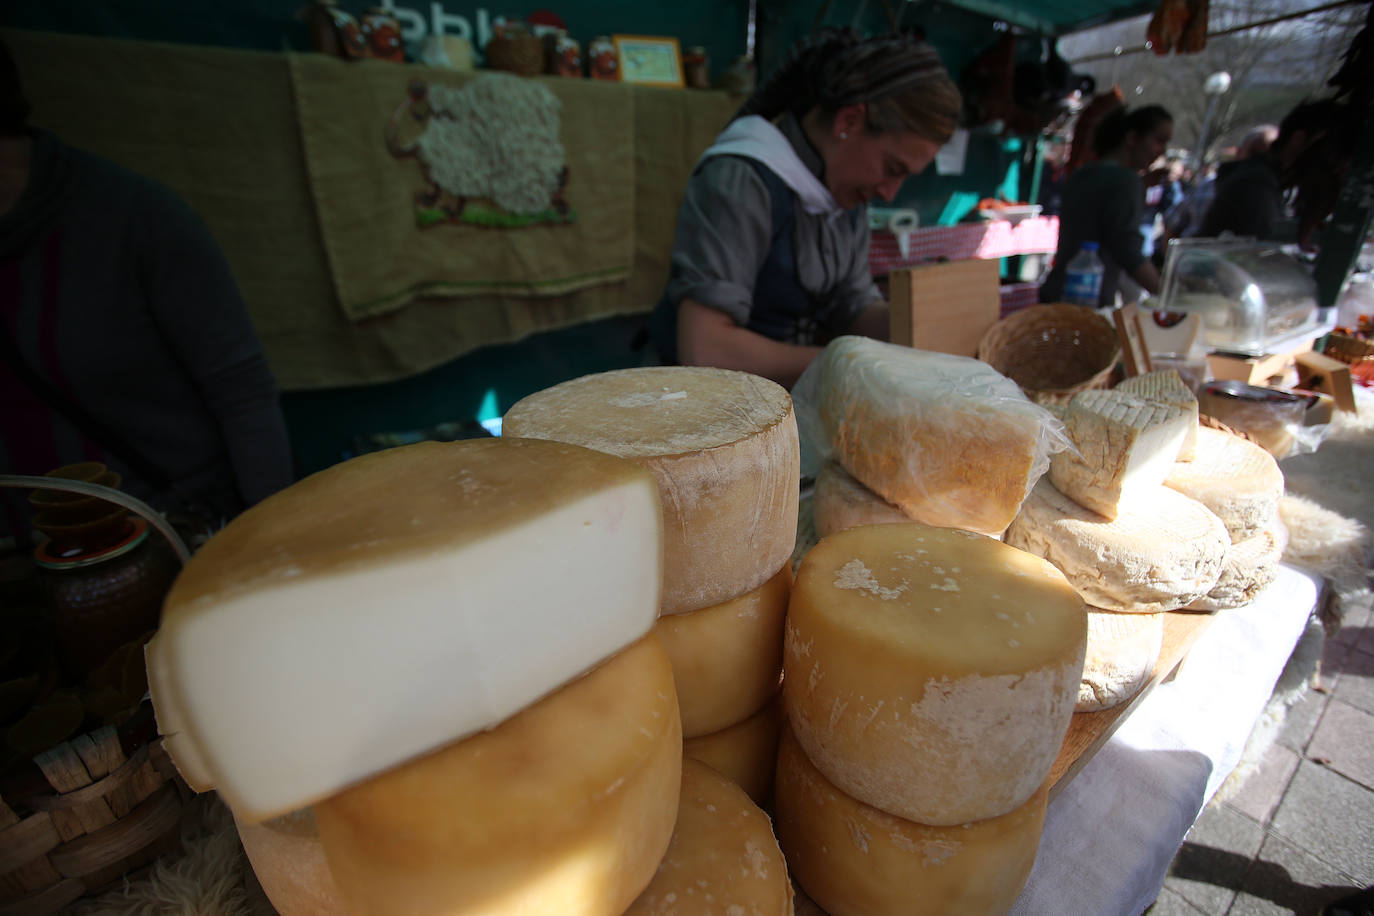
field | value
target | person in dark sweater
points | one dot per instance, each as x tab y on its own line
125	339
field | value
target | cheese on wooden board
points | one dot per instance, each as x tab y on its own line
1160	555
1123	650
565	809
1125	447
288	859
722	446
727	659
931	672
1250	567
1168	387
723	859
394	603
948	440
841	502
1239	481
746	752
852	858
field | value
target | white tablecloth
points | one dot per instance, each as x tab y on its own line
1111	833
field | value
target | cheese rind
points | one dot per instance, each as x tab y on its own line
723	859
1168	387
1239	481
1125	447
1160	555
840	502
931	672
948	440
745	752
852	858
565	809
289	862
454	582
1249	568
1122	652
722	446
727	659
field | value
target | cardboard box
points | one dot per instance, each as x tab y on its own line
945	307
1330	376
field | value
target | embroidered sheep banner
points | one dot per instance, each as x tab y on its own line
429	183
490	152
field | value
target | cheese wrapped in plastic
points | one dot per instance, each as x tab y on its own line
948	440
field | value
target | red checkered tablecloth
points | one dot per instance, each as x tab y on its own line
991	239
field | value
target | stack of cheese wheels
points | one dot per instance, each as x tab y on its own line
945	440
931	674
443	656
723	448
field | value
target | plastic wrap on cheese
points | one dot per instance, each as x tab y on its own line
949	440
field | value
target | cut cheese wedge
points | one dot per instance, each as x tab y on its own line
931	672
727	659
840	502
723	859
1239	481
1250	567
1124	448
565	809
746	752
1168	387
948	440
393	604
289	862
1160	555
722	446
1122	652
850	857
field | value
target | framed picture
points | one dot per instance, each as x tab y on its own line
649	61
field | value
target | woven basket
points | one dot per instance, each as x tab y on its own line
1348	349
98	808
1053	351
516	51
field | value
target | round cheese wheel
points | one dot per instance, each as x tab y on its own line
1238	480
1159	554
1249	568
931	672
842	502
745	752
287	857
727	659
723	447
723	859
1122	652
851	858
565	808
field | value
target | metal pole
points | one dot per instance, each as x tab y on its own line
1201	151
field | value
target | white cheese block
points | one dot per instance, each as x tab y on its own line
722	446
1168	387
852	858
1160	555
839	502
1125	447
931	672
948	440
1236	479
723	859
394	603
746	752
1250	566
289	861
565	809
1123	650
727	659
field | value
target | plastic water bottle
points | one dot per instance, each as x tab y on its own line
1083	278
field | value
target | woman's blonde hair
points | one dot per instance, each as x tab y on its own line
898	78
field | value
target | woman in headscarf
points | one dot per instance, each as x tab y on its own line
771	256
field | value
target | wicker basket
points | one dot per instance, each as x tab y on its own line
99	807
1348	349
1053	351
517	51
